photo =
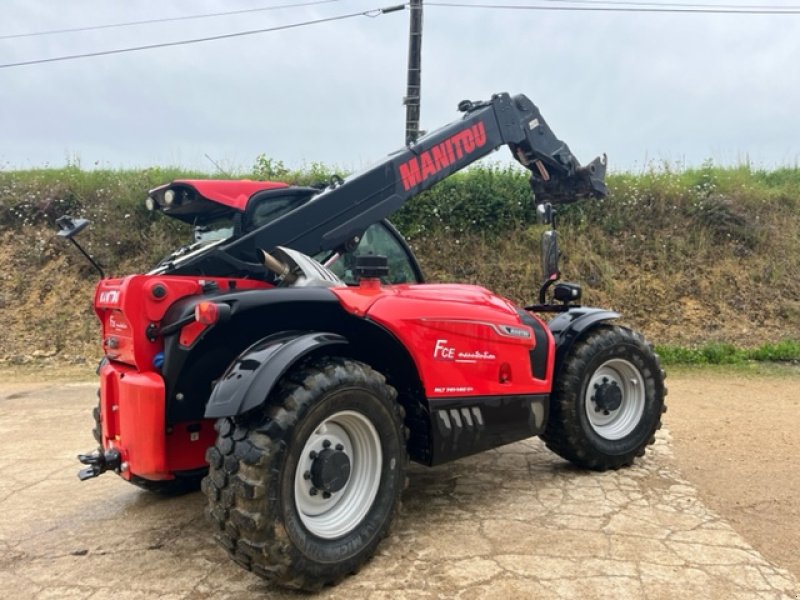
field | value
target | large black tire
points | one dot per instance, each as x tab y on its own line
183	484
97	431
260	481
608	400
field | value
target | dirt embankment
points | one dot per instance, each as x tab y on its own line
704	255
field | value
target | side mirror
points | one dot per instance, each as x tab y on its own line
68	227
550	255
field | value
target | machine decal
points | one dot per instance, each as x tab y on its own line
117	324
109	297
512	331
418	169
457	389
442	351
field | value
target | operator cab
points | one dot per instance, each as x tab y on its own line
219	210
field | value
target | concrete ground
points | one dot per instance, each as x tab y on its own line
512	523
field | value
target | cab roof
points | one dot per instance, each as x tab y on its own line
230	193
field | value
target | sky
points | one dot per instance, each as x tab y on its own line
644	88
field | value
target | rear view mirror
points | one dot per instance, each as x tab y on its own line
550	255
68	227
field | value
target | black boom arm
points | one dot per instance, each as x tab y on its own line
336	218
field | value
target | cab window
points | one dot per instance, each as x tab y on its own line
378	240
271	208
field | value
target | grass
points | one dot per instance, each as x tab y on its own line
785	351
745	369
704	261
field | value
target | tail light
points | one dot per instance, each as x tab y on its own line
210	313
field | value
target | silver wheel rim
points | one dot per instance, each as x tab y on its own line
336	514
618	423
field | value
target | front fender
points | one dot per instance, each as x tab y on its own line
567	328
252	375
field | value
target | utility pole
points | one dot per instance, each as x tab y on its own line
414	86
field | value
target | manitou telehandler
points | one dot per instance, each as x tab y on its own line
292	359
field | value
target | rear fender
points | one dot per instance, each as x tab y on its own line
567	328
251	377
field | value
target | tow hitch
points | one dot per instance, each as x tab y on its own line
99	462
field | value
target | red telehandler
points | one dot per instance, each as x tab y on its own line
294	389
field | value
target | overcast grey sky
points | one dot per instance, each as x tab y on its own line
640	87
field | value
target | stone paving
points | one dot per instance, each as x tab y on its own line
511	523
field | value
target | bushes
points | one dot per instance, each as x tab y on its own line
489	200
687	256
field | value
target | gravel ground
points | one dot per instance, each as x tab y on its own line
510	523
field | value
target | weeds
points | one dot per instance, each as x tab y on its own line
728	354
688	256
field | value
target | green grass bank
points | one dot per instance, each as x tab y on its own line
705	261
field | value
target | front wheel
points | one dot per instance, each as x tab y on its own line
607	401
303	491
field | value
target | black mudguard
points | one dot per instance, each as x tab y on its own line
567	328
251	377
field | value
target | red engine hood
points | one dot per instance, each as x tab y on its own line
440	299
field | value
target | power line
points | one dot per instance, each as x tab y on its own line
367	13
631	7
634	3
164	20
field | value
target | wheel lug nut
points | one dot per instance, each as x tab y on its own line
307	475
605	379
597	386
312	491
313	455
326	444
326	495
339	447
606	413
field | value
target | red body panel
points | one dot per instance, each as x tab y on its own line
464	340
132	394
230	193
132	405
133	413
126	307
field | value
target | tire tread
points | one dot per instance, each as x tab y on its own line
254	539
564	434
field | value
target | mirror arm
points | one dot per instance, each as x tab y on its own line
546	286
93	262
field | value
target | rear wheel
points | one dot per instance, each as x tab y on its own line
608	400
302	491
